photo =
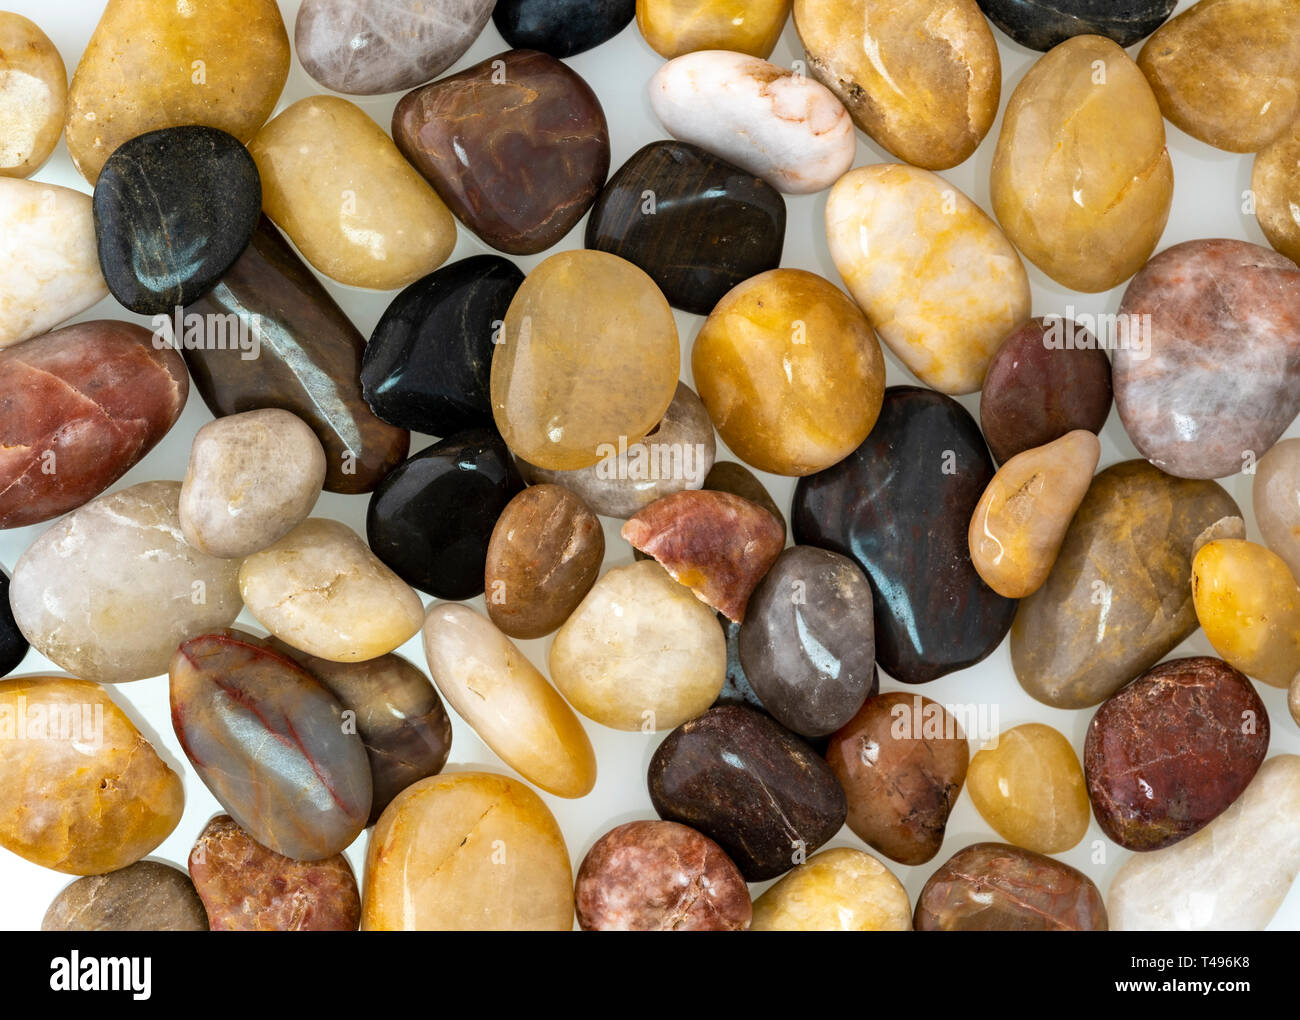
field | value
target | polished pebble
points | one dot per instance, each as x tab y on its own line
1042	24
33	95
13	645
835	890
674	27
561	28
1275	498
728	476
1275	186
144	896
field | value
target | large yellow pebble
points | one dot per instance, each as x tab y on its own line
674	27
1029	787
33	96
1275	185
835	890
1248	605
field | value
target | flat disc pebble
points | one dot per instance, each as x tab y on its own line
144	896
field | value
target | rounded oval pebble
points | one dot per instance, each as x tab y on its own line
1028	785
1231	876
676	454
507	702
1048	377
807	644
659	876
1081	181
836	890
517	146
1042	24
76	604
790	371
271	744
561	28
431	519
428	363
144	896
1020	521
921	78
435	860
920	472
138	73
1216	379
246	887
674	27
53	228
33	95
1275	498
750	784
588	360
1255	95
695	223
252	478
381	227
1118	598
79	407
639	651
543	557
322	590
995	887
783	127
1170	752
902	761
1275	185
939	279
369	47
81	790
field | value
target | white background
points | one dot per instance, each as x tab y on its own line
1207	203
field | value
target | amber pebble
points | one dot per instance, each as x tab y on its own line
1275	182
674	27
144	896
33	96
835	890
589	357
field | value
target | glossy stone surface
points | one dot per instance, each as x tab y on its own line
836	890
322	590
1081	181
1248	604
13	646
728	476
542	559
364	48
81	791
589	358
246	887
639	652
1118	599
252	478
995	887
1231	876
921	78
269	742
152	65
936	276
561	27
807	643
304	357
33	95
431	519
751	785
397	713
1214	384
163	241
706	225
1275	498
1170	752
516	145
780	126
1257	97
716	544
335	183
659	876
1028	785
790	371
676	454
674	27
1048	377
1042	24
469	851
507	702
428	363
1020	521
78	408
79	608
51	264
1275	183
144	896
901	761
933	613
